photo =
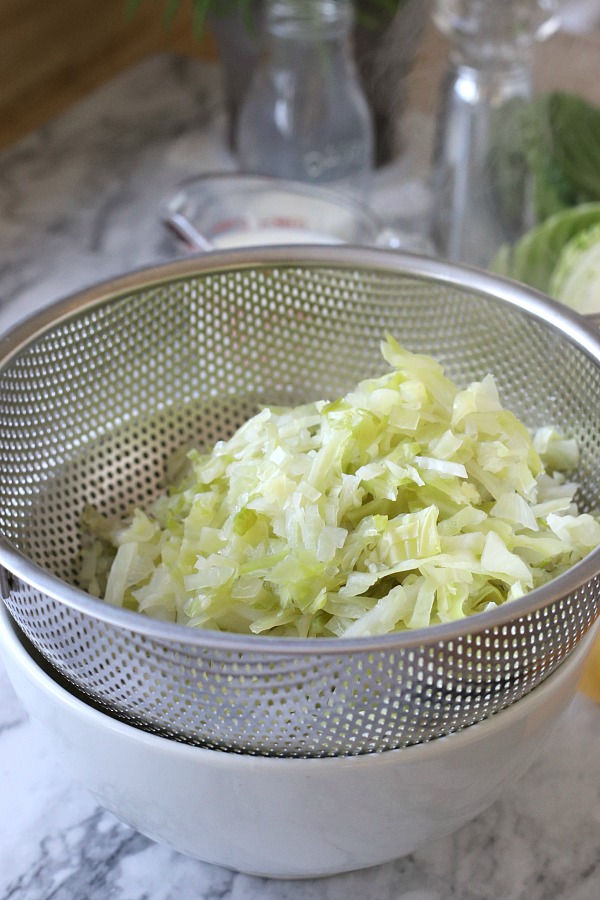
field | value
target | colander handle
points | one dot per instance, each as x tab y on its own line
6	583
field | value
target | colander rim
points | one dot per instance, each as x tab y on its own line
568	323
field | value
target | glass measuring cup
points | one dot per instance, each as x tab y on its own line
222	210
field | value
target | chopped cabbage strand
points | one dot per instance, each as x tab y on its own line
407	502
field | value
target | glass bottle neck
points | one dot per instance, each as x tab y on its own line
495	35
327	20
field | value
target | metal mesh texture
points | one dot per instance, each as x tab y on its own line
96	395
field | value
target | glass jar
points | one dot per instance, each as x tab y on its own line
481	188
305	117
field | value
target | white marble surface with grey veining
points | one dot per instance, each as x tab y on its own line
78	203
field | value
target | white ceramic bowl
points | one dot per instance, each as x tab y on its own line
290	818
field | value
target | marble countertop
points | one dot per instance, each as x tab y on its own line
78	203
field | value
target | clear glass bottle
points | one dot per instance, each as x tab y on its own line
305	116
480	185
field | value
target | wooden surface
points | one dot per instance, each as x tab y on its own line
53	52
590	683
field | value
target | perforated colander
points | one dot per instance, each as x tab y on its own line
96	393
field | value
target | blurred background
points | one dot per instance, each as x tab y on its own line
53	54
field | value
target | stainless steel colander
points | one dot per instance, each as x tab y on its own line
96	393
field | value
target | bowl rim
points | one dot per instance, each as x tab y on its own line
496	288
212	183
13	650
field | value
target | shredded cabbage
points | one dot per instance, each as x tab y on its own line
407	502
